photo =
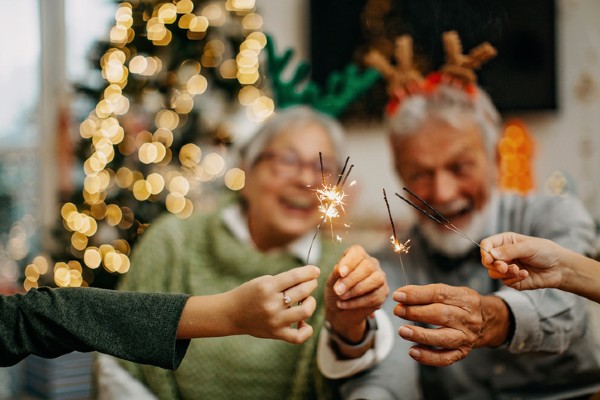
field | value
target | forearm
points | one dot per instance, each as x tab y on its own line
581	275
496	327
205	316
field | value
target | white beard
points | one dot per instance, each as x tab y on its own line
451	244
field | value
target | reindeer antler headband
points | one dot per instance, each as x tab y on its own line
403	79
460	65
404	76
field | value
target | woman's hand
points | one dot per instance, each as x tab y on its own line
522	262
273	307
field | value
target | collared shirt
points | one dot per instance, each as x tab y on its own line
237	222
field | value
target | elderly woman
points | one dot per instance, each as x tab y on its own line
266	230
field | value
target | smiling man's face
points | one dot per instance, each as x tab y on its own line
447	167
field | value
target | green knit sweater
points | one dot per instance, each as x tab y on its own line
201	256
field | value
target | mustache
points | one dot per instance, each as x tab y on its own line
453	207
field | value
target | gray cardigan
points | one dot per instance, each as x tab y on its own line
140	327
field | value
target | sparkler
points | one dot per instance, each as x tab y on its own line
398	247
331	199
437	217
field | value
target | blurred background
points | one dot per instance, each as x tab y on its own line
113	112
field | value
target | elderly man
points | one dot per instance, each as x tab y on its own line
492	341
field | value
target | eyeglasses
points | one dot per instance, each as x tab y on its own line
288	164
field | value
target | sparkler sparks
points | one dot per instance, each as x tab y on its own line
399	248
331	199
437	217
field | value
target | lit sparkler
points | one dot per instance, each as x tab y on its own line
399	248
437	217
331	199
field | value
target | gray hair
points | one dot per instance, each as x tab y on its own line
448	103
292	118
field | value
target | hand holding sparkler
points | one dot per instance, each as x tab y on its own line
526	262
356	288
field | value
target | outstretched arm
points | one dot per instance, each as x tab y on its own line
526	262
146	327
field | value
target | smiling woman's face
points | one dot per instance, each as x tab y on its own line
281	206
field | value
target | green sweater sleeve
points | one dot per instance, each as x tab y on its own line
140	327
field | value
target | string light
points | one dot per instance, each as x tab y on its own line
105	127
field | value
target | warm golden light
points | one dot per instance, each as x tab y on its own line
197	84
164	136
243	4
157	183
184	103
41	263
138	64
228	69
213	164
261	108
248	94
190	155
142	190
252	21
179	184
167	119
215	13
185	6
235	179
147	153
124	177
188	208
258	36
167	13
175	202
198	24
113	214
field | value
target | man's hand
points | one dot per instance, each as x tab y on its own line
355	289
463	317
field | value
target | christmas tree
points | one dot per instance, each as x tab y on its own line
156	138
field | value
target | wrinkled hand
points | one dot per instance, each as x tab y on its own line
258	306
355	289
522	262
463	317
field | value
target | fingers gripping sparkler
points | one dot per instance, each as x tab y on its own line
398	247
436	216
331	200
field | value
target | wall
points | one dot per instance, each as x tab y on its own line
567	140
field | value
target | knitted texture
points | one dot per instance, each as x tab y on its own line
201	256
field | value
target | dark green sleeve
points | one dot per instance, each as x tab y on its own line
139	327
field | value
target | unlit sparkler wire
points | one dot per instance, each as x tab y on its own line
398	247
437	217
